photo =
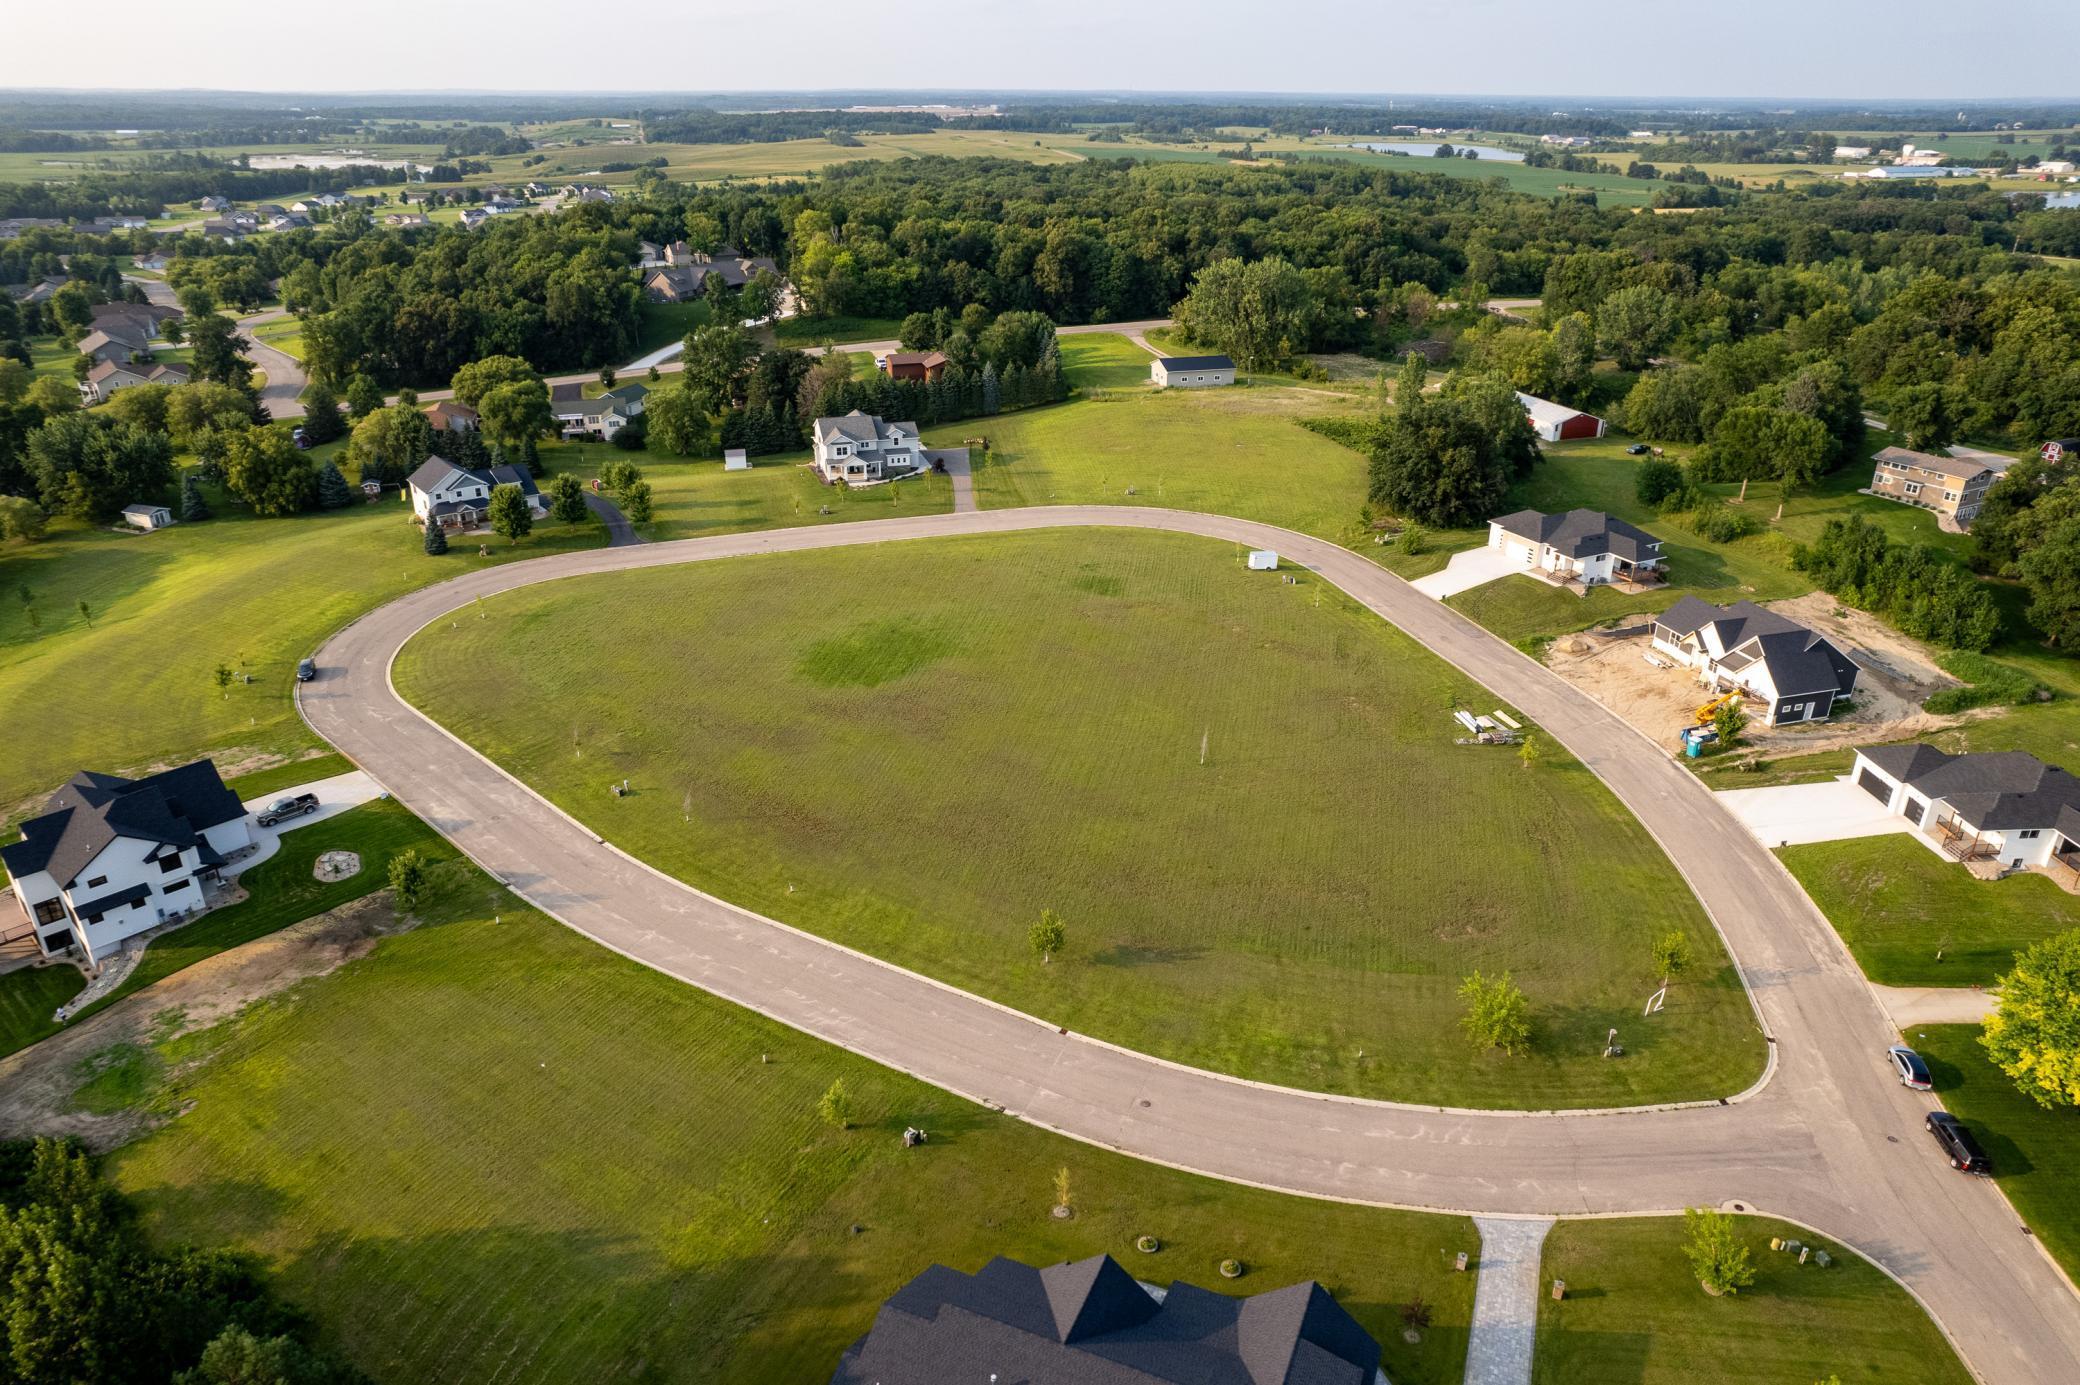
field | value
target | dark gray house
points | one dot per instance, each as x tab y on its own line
1788	671
1087	1322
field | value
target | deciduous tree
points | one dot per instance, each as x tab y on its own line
264	469
1717	1255
511	518
1497	1013
2034	1037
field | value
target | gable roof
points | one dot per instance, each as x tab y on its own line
97	341
1993	791
1170	363
860	427
442	409
1963	468
108	370
172	807
927	359
1545	411
433	473
1797	659
1582	533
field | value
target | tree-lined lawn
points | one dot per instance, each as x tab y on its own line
494	1150
1913	918
1634	1313
915	749
2035	1152
1104	361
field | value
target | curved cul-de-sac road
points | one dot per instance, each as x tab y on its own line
1828	1140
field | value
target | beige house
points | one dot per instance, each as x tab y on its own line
1953	486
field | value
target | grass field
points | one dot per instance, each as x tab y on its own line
1104	361
1915	919
815	331
167	608
27	999
2035	1152
1635	1314
282	890
414	1144
1231	451
915	750
306	770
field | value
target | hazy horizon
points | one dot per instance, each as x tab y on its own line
1480	49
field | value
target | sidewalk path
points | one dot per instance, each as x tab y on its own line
1822	1140
1505	1301
1912	1005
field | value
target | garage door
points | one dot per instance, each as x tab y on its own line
1874	786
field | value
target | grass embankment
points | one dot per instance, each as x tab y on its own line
307	770
1913	918
255	595
413	1143
2035	1152
914	750
1634	1313
282	890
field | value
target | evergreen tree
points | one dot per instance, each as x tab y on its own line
193	506
992	397
1015	387
321	420
333	491
530	457
364	396
436	539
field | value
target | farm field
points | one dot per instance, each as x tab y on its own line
412	1143
1635	1313
1233	451
253	594
915	750
2035	1152
1914	919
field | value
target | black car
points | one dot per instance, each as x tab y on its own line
1638	449
306	670
1958	1144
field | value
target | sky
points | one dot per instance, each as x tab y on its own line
1909	49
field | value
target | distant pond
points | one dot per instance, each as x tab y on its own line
1422	150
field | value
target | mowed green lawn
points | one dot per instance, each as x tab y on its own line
27	999
2035	1152
1915	919
492	1150
1634	1314
915	749
1105	361
132	684
1233	451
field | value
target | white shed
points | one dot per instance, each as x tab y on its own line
147	517
1262	560
735	459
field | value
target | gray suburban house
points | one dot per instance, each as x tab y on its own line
1087	1322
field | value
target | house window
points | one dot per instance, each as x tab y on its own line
97	881
1913	488
50	911
1949	495
93	918
169	864
2031	833
176	885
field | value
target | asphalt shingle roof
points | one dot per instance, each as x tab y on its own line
1583	533
1798	660
1197	363
1994	791
173	807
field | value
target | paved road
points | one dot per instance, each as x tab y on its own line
1829	1140
666	366
283	392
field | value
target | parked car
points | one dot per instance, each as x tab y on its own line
306	670
296	435
282	809
1638	449
1957	1142
1912	1071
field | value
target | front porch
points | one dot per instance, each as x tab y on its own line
1959	843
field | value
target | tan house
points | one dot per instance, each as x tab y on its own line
1953	486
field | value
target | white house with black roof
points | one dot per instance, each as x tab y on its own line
1087	1322
110	858
861	449
1787	672
459	497
1192	372
2006	807
1586	546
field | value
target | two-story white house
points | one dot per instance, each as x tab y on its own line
600	417
1788	672
2006	807
110	858
1587	546
862	449
459	497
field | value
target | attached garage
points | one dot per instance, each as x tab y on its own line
1874	784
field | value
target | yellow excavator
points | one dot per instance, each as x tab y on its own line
1705	713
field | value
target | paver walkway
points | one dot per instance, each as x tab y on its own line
1505	1301
1819	1141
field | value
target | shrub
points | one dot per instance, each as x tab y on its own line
1497	1014
1656	480
1988	683
1716	1254
1721	523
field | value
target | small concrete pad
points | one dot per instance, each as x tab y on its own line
1473	568
1793	814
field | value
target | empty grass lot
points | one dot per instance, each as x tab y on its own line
414	1146
1898	905
1233	451
28	997
1634	1314
1105	361
915	749
2035	1152
167	608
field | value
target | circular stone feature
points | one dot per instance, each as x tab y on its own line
337	865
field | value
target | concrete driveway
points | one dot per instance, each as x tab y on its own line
1794	814
1827	1139
335	796
1473	568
